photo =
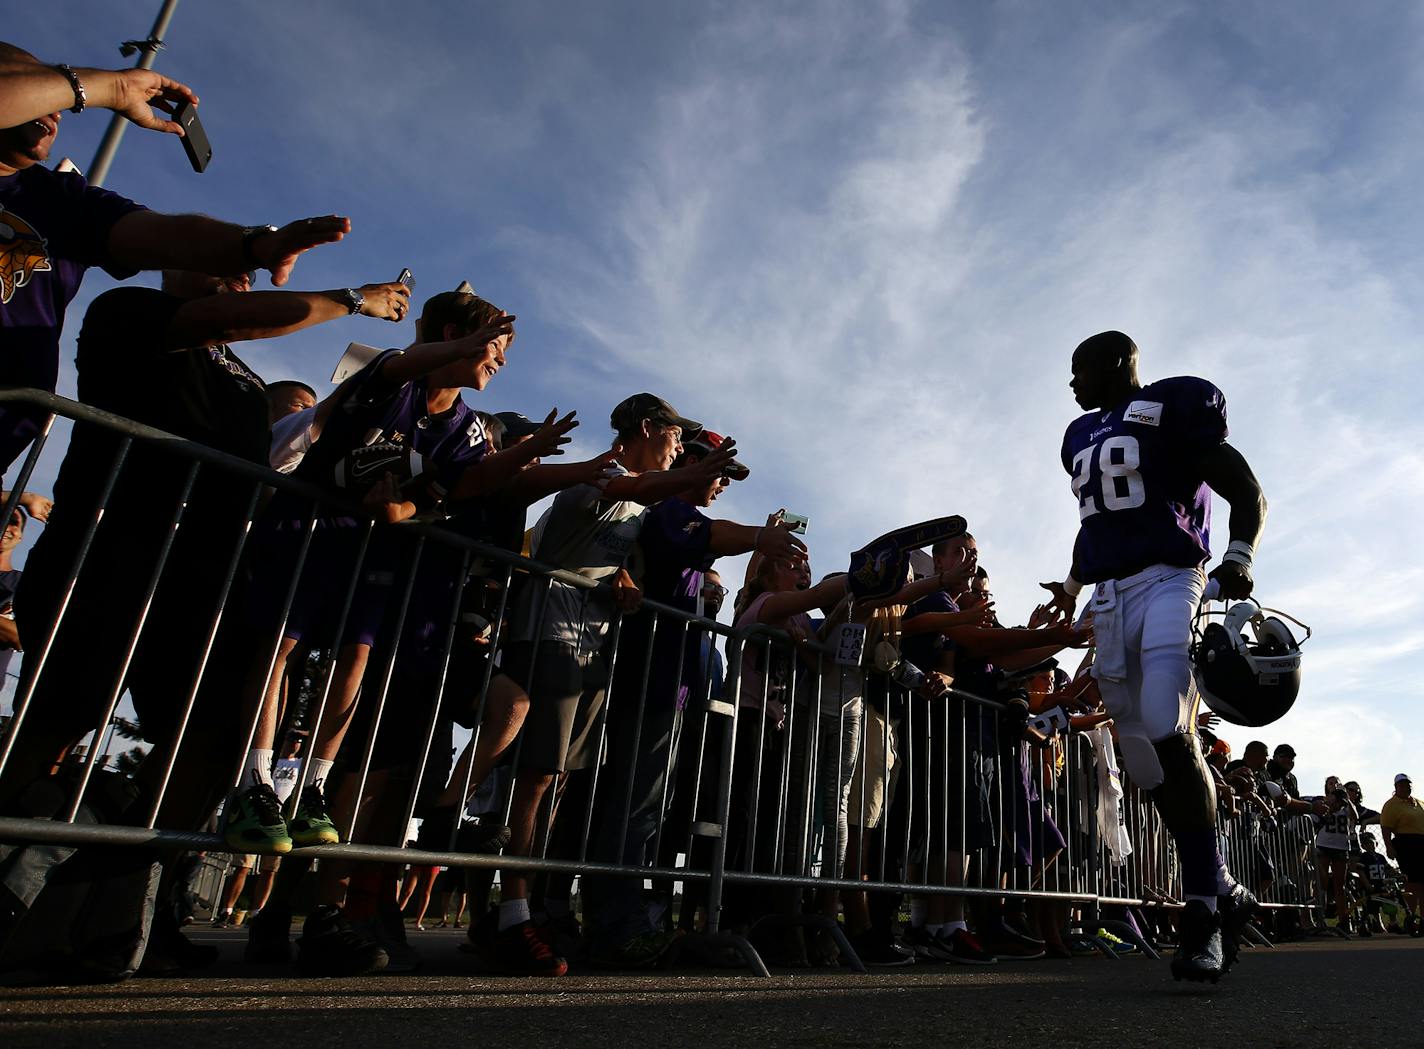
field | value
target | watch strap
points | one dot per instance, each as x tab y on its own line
249	236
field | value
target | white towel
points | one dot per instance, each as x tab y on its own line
1109	645
1111	826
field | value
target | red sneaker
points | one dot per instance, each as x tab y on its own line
520	951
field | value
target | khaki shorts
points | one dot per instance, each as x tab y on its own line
876	773
566	695
252	861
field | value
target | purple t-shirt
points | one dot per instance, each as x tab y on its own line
1141	497
925	650
674	543
52	228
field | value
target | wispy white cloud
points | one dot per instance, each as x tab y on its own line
864	241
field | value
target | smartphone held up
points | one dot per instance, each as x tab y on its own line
195	139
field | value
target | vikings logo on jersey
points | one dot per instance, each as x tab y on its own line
23	253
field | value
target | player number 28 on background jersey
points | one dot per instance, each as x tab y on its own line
1118	484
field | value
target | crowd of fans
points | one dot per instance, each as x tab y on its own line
594	697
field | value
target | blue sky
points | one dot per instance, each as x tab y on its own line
864	240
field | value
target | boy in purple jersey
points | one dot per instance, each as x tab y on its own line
53	225
409	399
1142	462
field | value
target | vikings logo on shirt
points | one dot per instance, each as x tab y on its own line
23	253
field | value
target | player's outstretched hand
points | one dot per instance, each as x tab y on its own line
1233	581
1062	606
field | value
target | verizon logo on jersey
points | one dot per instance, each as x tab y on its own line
1144	413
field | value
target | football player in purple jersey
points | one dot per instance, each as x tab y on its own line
1144	462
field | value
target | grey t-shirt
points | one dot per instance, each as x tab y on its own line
588	533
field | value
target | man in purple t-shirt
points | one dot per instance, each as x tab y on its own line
679	543
54	226
1144	462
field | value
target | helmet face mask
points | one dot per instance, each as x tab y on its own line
1247	667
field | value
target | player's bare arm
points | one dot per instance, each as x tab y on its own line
1227	473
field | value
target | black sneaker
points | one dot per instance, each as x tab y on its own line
876	947
480	937
965	949
222	920
927	949
519	951
329	946
1199	951
1235	909
170	952
269	936
1007	942
484	834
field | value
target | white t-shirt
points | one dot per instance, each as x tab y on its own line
582	532
284	777
291	440
1333	829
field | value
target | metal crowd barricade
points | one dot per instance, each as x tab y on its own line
383	683
799	787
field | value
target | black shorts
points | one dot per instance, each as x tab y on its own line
951	781
1409	851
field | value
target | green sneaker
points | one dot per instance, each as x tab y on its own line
310	825
640	952
1119	945
253	822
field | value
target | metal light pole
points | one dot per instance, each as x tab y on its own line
147	53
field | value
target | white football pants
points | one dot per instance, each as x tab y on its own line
1142	626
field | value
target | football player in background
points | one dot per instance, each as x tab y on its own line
1144	462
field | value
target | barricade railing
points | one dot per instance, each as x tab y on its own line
800	774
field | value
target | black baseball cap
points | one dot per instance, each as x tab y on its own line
630	413
1286	749
516	425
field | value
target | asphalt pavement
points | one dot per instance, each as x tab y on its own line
1318	993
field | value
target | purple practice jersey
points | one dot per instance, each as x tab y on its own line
52	228
1141	498
375	411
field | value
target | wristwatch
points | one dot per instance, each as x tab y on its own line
249	235
352	298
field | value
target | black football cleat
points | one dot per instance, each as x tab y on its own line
1234	909
1199	955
